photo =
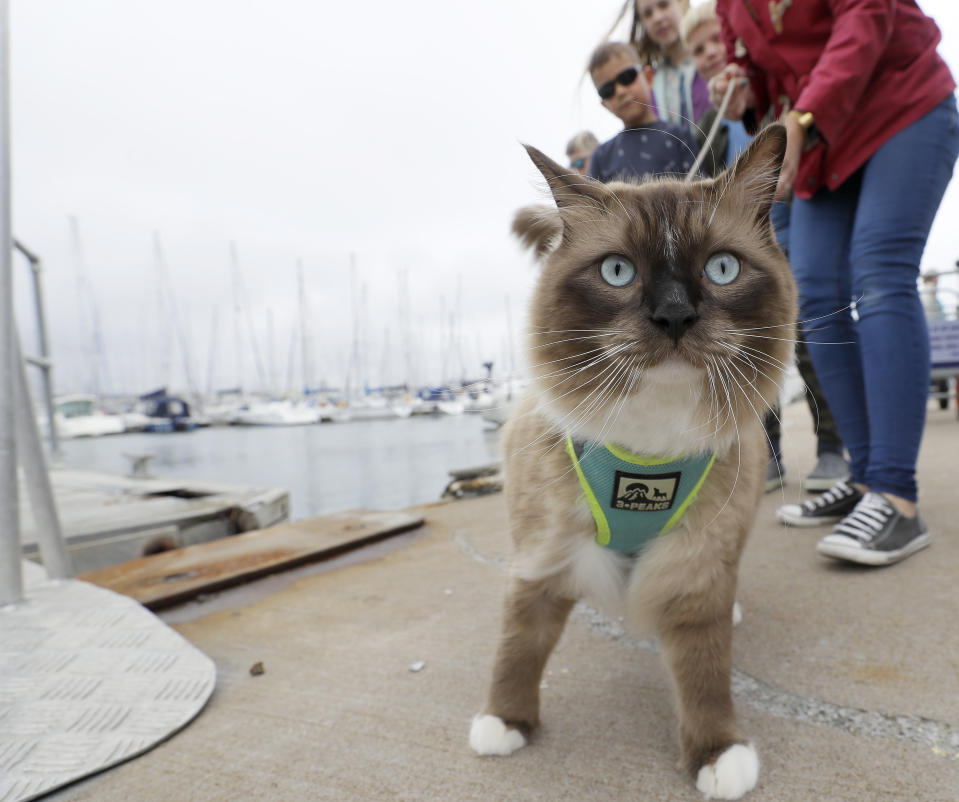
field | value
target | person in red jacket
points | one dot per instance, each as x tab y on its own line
872	138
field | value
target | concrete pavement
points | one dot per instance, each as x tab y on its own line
847	678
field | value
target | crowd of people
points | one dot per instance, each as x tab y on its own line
872	139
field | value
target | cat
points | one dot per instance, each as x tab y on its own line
660	325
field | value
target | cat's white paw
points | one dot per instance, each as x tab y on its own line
737	614
490	736
733	774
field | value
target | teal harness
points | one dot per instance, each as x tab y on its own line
635	499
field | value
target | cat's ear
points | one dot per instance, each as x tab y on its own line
539	228
756	171
569	188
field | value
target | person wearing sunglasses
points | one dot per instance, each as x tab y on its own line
579	149
647	145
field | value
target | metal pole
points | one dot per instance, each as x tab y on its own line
53	550
47	365
11	580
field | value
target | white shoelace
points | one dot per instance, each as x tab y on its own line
868	518
838	491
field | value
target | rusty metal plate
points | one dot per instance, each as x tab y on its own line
174	576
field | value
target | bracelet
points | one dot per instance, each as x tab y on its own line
804	118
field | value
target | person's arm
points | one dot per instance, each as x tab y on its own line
750	103
860	32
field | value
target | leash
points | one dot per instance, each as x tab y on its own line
712	131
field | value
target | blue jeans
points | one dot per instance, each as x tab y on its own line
863	243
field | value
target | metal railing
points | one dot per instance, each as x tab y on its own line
19	439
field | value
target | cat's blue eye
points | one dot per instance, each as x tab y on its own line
617	271
722	268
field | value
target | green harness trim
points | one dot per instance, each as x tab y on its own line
634	499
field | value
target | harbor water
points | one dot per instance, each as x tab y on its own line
378	464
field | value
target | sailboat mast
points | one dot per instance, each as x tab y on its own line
212	356
305	358
88	324
237	347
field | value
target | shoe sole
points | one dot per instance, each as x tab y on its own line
798	520
775	484
820	484
869	556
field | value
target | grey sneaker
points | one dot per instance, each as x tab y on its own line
833	505
874	533
830	468
775	475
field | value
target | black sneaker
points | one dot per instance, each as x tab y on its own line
874	533
833	505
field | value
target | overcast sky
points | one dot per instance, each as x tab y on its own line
148	137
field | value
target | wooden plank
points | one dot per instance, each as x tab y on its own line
175	576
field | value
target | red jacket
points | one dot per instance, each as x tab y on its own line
866	69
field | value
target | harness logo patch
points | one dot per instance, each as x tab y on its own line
644	492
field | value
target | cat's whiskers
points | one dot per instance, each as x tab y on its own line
589	361
544	330
778	365
608	390
568	372
839	311
720	370
748	360
751	359
589	400
629	384
585	357
721	419
756	373
757	353
759	417
714	403
570	340
728	181
573	420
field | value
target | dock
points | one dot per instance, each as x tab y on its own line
109	519
355	677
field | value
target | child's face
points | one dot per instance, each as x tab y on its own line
579	161
631	102
661	19
707	49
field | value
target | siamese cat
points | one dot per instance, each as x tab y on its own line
660	327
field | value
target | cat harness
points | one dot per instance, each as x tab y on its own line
635	499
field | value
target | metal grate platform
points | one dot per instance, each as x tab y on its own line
88	679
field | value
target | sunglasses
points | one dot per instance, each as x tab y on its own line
579	163
625	78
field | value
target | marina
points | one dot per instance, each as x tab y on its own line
372	464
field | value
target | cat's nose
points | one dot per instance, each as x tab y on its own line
674	316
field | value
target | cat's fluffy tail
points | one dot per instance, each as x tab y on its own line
539	228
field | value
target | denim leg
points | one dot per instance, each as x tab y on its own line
902	186
779	215
820	233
